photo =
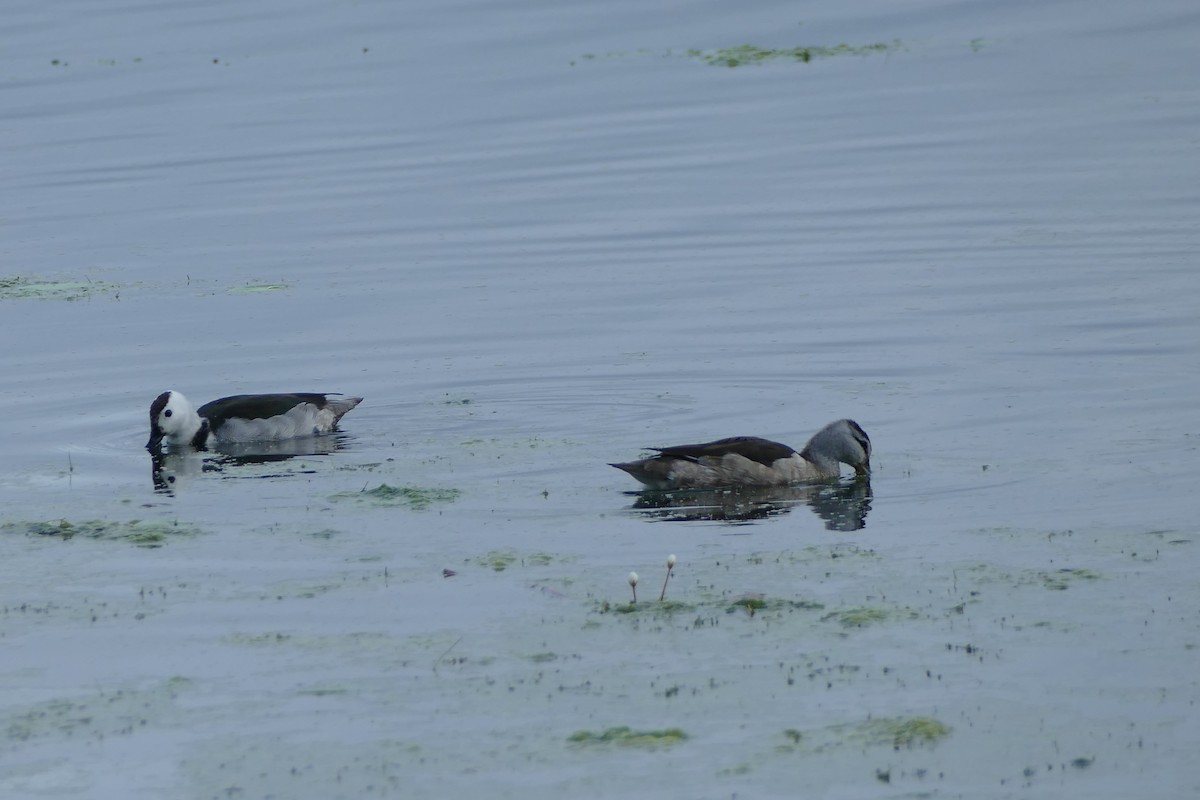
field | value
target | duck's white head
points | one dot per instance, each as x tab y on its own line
172	418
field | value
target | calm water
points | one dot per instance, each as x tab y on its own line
538	238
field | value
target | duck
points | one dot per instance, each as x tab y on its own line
244	418
745	461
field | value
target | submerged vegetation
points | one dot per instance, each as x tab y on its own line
756	603
96	715
747	54
414	497
627	737
899	733
752	54
864	616
1057	580
258	288
1062	579
500	560
17	287
653	607
136	532
750	604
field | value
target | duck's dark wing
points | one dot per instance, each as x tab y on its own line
256	406
763	451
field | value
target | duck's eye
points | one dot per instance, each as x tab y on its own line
167	413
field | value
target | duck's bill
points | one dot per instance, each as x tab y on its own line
155	441
863	470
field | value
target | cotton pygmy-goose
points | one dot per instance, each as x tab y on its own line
244	418
750	461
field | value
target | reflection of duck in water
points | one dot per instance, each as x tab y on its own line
174	468
747	461
170	471
244	418
843	506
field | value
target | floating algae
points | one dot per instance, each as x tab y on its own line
657	607
17	287
500	560
1061	580
899	733
756	603
414	497
752	604
864	616
746	54
625	736
752	54
143	533
258	288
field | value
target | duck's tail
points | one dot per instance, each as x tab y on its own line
653	472
340	406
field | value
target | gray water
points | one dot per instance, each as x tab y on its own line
537	238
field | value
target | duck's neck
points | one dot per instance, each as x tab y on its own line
190	427
823	465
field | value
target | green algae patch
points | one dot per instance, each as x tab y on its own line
1061	581
708	611
500	560
96	716
864	616
898	733
258	639
756	603
141	533
258	288
747	54
750	54
366	466
749	603
901	733
659	607
497	560
1058	580
414	497
624	736
18	287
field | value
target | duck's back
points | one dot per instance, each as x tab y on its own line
270	417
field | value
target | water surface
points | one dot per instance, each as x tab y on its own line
537	239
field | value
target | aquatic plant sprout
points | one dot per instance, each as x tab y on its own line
670	566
